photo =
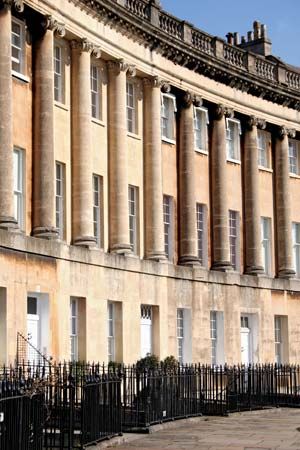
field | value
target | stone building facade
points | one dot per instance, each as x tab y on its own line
149	187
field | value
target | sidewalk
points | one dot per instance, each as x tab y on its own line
268	430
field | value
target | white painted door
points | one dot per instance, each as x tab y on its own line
33	336
245	346
146	336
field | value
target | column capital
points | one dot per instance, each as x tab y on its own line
83	45
157	82
223	111
254	121
50	23
17	4
284	131
190	99
120	65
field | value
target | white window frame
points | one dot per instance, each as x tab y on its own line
74	331
201	225
131	107
294	166
96	110
263	139
111	344
296	247
59	75
168	117
180	335
278	339
168	225
22	49
213	337
97	209
237	131
19	187
147	321
201	133
133	197
60	199
266	245
217	355
233	226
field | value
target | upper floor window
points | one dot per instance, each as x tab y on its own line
296	247
233	132
59	74
95	92
294	157
133	217
97	209
168	109
19	187
18	46
234	239
266	244
131	107
201	233
168	226
263	143
200	128
60	199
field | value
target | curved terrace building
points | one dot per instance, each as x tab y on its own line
149	187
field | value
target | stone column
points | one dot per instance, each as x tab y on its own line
44	224
283	204
82	160
7	219
118	158
220	215
252	207
153	189
188	254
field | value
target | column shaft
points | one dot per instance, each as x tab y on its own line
44	225
154	228
283	207
82	159
187	200
118	160
7	219
221	248
252	208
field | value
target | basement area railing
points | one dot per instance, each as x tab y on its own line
72	405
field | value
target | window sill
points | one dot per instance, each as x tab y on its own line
203	152
293	175
167	140
61	105
265	169
98	122
20	76
234	161
134	136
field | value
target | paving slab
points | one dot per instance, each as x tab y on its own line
272	429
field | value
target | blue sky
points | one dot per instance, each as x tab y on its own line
218	17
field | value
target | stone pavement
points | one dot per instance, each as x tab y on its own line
268	430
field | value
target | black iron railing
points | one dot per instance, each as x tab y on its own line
71	405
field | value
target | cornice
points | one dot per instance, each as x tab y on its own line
190	47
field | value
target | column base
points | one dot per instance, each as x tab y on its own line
254	270
189	260
85	241
45	232
157	257
121	249
222	266
286	273
8	223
